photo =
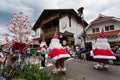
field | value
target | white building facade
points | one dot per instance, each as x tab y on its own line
111	26
67	22
75	28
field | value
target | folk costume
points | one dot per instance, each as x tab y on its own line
102	52
57	54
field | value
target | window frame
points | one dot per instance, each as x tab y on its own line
110	27
95	30
107	28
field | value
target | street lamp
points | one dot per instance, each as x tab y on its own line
81	16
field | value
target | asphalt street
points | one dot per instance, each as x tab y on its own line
80	70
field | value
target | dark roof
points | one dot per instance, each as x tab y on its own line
47	12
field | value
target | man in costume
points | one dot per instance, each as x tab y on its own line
57	54
102	51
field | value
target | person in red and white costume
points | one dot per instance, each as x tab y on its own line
57	54
102	51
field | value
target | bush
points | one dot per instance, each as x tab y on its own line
25	71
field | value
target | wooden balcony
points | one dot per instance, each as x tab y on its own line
50	19
49	33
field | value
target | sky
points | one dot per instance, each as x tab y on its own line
33	9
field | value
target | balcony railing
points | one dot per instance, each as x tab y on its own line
49	33
50	19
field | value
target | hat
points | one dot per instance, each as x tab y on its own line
55	42
102	41
43	40
55	36
102	34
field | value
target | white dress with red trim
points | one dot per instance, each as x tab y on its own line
102	54
56	54
102	50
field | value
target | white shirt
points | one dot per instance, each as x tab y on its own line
43	51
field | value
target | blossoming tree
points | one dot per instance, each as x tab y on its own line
19	25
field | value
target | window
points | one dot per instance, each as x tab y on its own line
94	30
97	29
110	27
106	28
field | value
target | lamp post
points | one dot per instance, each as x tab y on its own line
81	16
